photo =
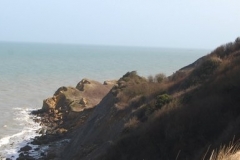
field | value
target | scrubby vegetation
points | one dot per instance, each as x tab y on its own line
131	85
162	100
158	78
183	116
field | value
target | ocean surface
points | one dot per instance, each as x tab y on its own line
32	72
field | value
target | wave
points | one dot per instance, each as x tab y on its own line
11	144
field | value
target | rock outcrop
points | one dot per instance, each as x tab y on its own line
87	94
105	124
68	109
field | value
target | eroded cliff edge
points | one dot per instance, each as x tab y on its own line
107	122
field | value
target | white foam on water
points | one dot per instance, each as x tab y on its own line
10	145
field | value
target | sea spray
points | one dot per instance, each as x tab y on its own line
10	145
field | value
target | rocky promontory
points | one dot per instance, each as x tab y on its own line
65	111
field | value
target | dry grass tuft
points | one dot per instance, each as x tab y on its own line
132	123
226	152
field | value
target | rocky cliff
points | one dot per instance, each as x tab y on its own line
183	116
106	123
64	112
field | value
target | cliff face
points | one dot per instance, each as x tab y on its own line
105	125
97	133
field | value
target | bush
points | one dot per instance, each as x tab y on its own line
202	72
150	79
162	100
160	77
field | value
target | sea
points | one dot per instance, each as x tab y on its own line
32	72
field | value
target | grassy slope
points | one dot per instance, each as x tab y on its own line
204	111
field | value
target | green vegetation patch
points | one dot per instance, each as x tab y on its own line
162	100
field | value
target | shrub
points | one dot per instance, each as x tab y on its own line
160	77
130	74
208	67
162	100
179	75
225	50
132	123
202	72
150	79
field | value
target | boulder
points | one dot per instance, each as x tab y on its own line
83	101
82	83
76	107
51	103
51	155
26	148
63	97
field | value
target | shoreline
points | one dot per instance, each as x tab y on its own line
11	144
61	115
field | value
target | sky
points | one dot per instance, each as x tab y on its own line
149	23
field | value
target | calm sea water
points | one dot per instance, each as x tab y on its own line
30	73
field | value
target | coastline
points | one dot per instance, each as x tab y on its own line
115	119
61	115
16	141
37	82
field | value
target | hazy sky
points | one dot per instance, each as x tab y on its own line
160	23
